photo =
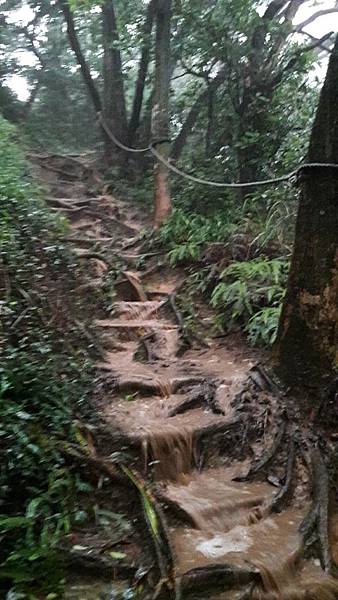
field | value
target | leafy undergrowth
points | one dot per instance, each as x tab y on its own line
250	294
41	387
238	259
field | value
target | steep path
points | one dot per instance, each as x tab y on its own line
174	410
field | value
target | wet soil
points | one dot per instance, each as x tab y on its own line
212	519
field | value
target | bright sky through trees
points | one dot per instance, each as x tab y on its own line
318	28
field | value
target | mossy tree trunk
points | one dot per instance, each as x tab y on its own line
306	351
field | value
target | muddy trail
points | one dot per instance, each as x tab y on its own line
173	409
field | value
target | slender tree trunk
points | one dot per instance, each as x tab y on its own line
134	121
32	97
188	125
114	106
208	135
160	113
75	46
193	115
307	343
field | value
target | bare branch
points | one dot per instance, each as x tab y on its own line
317	41
191	71
292	62
315	16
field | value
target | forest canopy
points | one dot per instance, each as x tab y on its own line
168	279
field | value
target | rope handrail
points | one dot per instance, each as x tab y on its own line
232	185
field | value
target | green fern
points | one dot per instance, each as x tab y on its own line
250	294
185	235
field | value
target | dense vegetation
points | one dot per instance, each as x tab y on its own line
43	381
241	107
223	89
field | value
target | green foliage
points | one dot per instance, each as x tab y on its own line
40	386
250	294
185	235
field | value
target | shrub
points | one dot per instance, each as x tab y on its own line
249	294
185	235
43	375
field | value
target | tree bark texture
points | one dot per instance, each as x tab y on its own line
75	46
307	344
114	106
134	121
160	112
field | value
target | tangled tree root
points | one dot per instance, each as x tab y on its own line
294	443
315	526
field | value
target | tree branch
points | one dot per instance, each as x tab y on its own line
30	38
318	42
291	63
192	116
315	16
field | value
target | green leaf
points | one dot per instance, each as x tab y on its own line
117	555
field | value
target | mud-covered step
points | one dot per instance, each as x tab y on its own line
136	310
211	500
158	345
134	324
133	329
166	446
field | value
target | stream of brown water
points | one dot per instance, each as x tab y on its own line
224	524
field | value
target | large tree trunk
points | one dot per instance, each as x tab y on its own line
307	343
134	121
114	106
160	113
75	46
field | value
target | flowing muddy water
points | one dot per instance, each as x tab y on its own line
221	521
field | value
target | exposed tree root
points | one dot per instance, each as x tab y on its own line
178	315
204	395
294	441
71	176
218	576
267	456
68	203
95	255
281	498
186	339
196	400
150	386
87	240
144	352
315	526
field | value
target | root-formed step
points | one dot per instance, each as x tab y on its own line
169	446
216	503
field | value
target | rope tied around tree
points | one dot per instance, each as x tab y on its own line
230	185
